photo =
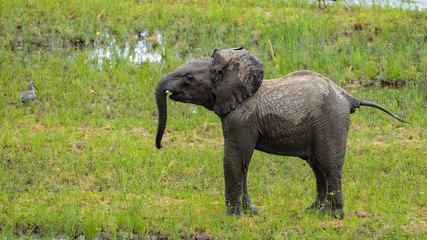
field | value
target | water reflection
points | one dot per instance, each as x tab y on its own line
148	48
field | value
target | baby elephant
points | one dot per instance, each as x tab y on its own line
302	114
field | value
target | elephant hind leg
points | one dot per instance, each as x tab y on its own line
331	167
334	201
329	154
321	188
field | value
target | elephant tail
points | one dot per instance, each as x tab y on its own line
371	104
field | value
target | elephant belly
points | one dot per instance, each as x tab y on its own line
286	141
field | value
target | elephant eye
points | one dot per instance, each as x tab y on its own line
189	78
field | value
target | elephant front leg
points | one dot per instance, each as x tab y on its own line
236	163
233	176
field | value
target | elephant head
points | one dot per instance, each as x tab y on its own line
218	83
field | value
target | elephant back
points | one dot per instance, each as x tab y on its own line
248	68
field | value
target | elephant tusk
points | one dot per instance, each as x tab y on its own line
167	91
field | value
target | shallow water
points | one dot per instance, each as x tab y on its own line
147	48
404	4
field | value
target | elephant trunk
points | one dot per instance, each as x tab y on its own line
161	93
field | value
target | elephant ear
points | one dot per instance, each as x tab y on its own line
238	74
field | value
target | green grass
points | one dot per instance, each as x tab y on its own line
71	167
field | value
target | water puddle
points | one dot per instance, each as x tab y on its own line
43	41
404	4
106	49
137	49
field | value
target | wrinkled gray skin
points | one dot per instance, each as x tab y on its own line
302	114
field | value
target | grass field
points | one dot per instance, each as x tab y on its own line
81	160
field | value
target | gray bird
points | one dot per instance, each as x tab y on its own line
28	95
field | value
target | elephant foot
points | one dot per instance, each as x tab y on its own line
249	208
316	205
327	209
234	211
